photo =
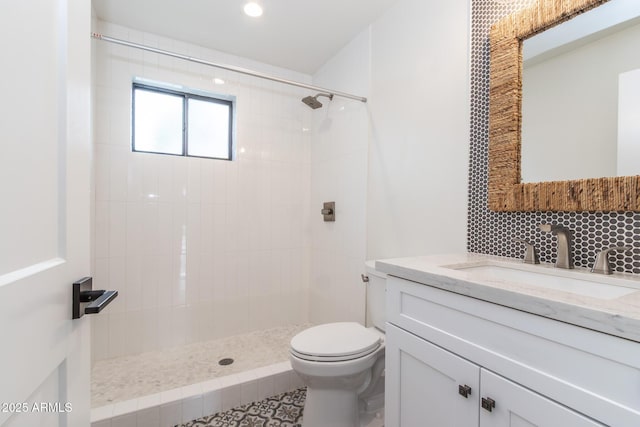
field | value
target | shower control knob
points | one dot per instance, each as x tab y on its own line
328	211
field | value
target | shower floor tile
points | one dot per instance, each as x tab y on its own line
129	377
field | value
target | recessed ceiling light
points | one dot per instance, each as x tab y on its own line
253	9
218	81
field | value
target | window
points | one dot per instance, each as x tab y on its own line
167	121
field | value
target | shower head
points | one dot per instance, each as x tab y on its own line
312	101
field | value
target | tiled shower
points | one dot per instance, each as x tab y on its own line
198	248
202	249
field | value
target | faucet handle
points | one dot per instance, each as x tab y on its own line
602	265
530	253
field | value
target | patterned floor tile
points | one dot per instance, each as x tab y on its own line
283	410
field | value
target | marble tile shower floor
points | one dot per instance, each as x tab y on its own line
123	378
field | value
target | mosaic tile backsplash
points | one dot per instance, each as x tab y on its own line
492	232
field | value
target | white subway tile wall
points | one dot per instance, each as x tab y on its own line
198	248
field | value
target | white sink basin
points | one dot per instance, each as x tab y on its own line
576	282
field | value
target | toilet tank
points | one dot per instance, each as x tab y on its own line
376	296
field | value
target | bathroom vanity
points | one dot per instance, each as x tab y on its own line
475	340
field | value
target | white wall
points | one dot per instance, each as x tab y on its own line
198	248
419	147
396	166
339	173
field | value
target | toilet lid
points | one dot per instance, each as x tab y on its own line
335	341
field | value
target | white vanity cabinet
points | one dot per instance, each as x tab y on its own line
431	386
422	380
538	372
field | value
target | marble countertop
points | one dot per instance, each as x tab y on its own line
615	313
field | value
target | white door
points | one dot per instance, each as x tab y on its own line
44	210
427	386
516	406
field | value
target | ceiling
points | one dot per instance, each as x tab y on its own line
300	35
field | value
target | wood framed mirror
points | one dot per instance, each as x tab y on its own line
507	192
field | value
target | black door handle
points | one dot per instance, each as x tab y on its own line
88	301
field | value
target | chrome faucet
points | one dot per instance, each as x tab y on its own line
565	256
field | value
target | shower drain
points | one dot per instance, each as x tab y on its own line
225	361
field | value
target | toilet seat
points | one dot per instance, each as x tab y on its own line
334	342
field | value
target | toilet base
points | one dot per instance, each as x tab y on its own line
373	402
375	419
347	408
343	412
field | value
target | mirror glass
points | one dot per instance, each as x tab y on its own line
581	97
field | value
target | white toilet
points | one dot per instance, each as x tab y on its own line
342	364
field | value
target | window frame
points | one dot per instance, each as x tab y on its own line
229	102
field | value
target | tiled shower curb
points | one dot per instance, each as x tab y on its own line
184	404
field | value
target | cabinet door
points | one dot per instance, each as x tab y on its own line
423	384
516	406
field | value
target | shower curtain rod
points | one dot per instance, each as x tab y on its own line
226	67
